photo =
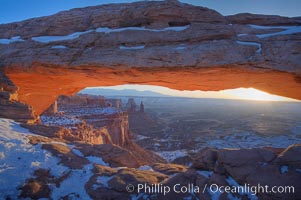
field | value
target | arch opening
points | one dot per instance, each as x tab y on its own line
176	123
157	91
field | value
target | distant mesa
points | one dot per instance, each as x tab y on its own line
124	93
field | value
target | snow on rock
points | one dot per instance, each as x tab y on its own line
74	185
59	47
77	152
172	155
181	47
145	168
17	154
243	34
270	27
288	30
139	196
59	120
231	197
214	195
47	39
97	160
110	110
79	111
284	169
141	137
11	40
251	140
72	36
232	182
205	173
110	30
131	48
102	181
258	45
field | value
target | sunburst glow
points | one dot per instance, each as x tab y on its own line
239	93
254	94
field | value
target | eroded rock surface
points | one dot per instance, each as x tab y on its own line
165	43
255	166
134	43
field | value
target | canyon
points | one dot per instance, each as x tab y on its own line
46	61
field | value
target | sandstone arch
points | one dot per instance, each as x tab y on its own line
40	86
164	43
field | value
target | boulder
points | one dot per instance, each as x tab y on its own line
240	163
168	169
290	156
205	159
117	156
132	176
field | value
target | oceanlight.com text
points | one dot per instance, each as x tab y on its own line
212	188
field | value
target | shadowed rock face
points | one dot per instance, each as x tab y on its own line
165	43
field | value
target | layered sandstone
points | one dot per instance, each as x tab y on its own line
165	43
98	128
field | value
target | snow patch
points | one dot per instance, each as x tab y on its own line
11	40
18	155
258	45
97	160
141	137
232	182
270	27
109	110
243	34
214	195
47	39
103	180
231	197
251	140
77	152
74	185
288	30
205	173
110	30
72	36
172	155
284	169
145	168
59	47
59	120
139	196
181	47
131	48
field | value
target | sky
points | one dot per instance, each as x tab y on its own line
17	10
239	93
